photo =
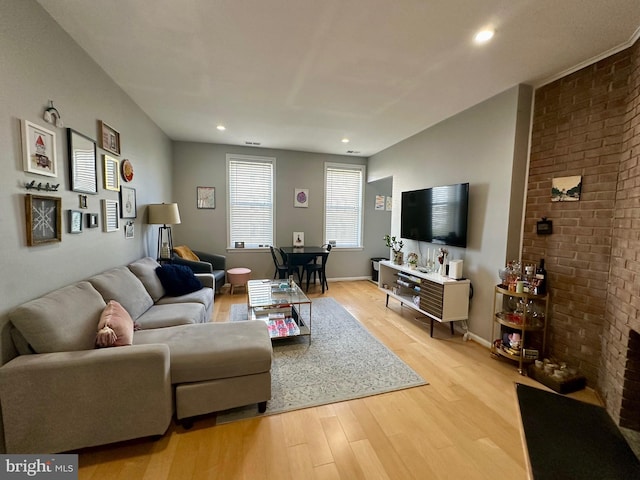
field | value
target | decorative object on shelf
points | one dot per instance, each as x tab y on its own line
43	219
566	189
164	214
442	259
109	138
298	239
52	115
110	221
82	162
47	188
206	197
128	207
129	230
301	197
127	170
396	247
111	175
92	220
82	201
39	150
412	260
75	221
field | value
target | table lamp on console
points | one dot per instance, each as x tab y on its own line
164	214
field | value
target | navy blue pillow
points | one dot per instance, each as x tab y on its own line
177	279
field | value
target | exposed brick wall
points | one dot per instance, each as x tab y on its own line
577	129
623	302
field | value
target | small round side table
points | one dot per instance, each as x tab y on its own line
238	277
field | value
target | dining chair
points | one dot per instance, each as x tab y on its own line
314	268
282	270
291	268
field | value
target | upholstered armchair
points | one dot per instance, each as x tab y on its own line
201	262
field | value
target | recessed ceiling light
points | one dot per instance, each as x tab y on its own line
222	128
483	36
345	140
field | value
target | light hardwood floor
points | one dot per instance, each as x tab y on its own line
464	424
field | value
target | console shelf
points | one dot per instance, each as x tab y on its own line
442	299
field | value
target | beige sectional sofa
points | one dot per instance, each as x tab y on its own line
61	393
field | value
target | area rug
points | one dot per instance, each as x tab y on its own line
570	439
343	361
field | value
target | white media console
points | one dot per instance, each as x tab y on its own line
440	298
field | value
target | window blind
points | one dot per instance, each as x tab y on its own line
250	188
343	204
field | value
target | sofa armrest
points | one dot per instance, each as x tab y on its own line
219	262
206	279
197	267
55	402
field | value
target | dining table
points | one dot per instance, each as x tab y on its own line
300	256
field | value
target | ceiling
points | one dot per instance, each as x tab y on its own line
304	74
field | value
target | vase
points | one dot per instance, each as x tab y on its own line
443	266
398	258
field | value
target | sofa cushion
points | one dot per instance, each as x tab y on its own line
160	316
178	280
63	320
145	270
118	320
121	285
212	351
185	252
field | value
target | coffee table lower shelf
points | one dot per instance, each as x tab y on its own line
280	324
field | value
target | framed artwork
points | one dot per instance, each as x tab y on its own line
111	173
128	207
129	230
75	221
389	204
206	197
92	220
43	219
127	170
82	201
566	189
301	197
109	138
39	150
379	205
298	239
110	221
82	163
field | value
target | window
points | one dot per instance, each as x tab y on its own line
344	188
251	208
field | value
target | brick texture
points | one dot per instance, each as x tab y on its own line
588	124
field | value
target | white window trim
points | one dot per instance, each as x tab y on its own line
346	166
250	158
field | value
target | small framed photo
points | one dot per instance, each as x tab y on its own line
110	220
389	204
75	221
111	173
39	150
128	202
566	189
206	197
82	201
43	219
109	138
82	162
379	205
129	230
92	220
301	197
298	239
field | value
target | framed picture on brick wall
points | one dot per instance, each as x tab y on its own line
566	189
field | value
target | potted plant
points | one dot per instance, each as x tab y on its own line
396	247
412	260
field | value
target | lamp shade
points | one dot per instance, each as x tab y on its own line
164	213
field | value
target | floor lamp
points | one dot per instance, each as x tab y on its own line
164	214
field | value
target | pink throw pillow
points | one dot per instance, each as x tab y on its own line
115	328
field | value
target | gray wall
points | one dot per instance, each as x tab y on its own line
486	146
200	164
41	62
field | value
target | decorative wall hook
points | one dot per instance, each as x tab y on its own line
47	188
51	115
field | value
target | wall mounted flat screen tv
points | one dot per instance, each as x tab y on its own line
436	215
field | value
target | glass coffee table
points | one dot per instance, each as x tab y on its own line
280	306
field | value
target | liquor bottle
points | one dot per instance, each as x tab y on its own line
541	278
